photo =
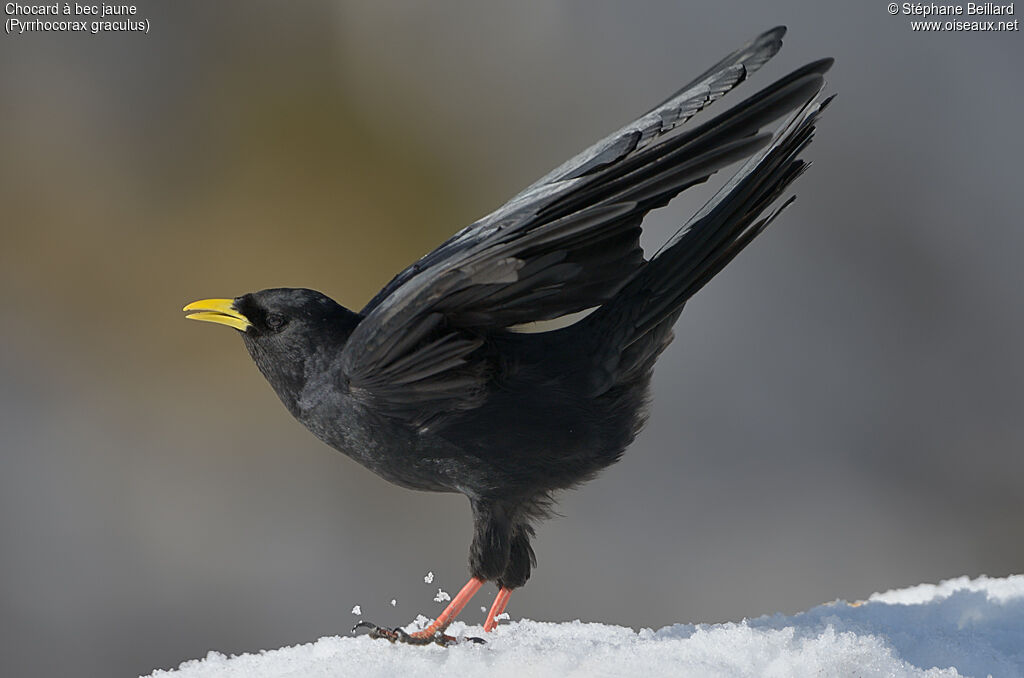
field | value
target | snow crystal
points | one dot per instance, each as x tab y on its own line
429	579
441	596
959	627
357	610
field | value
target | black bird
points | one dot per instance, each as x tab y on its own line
452	378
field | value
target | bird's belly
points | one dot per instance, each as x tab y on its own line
550	441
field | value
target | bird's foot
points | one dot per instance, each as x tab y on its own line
400	635
435	632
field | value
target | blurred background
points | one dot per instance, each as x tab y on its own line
839	414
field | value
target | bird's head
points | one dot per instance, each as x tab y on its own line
292	334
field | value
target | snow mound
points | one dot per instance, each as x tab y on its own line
960	627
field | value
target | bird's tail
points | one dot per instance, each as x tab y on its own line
642	313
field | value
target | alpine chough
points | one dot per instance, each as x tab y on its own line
515	359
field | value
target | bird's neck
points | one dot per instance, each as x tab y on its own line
290	378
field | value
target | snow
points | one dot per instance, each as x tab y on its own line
357	610
441	596
959	627
429	578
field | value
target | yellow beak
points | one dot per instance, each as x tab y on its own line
220	311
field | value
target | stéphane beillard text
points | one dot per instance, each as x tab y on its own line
970	9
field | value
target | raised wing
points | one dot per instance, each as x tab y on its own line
666	116
567	243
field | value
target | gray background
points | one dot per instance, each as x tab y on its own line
840	413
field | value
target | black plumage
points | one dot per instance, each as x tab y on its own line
438	384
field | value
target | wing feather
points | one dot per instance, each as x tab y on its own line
567	243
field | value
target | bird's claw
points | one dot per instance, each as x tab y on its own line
400	635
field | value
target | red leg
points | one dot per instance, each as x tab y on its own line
497	608
452	611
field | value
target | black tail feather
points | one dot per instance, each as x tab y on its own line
706	243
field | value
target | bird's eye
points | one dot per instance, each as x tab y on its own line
275	321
